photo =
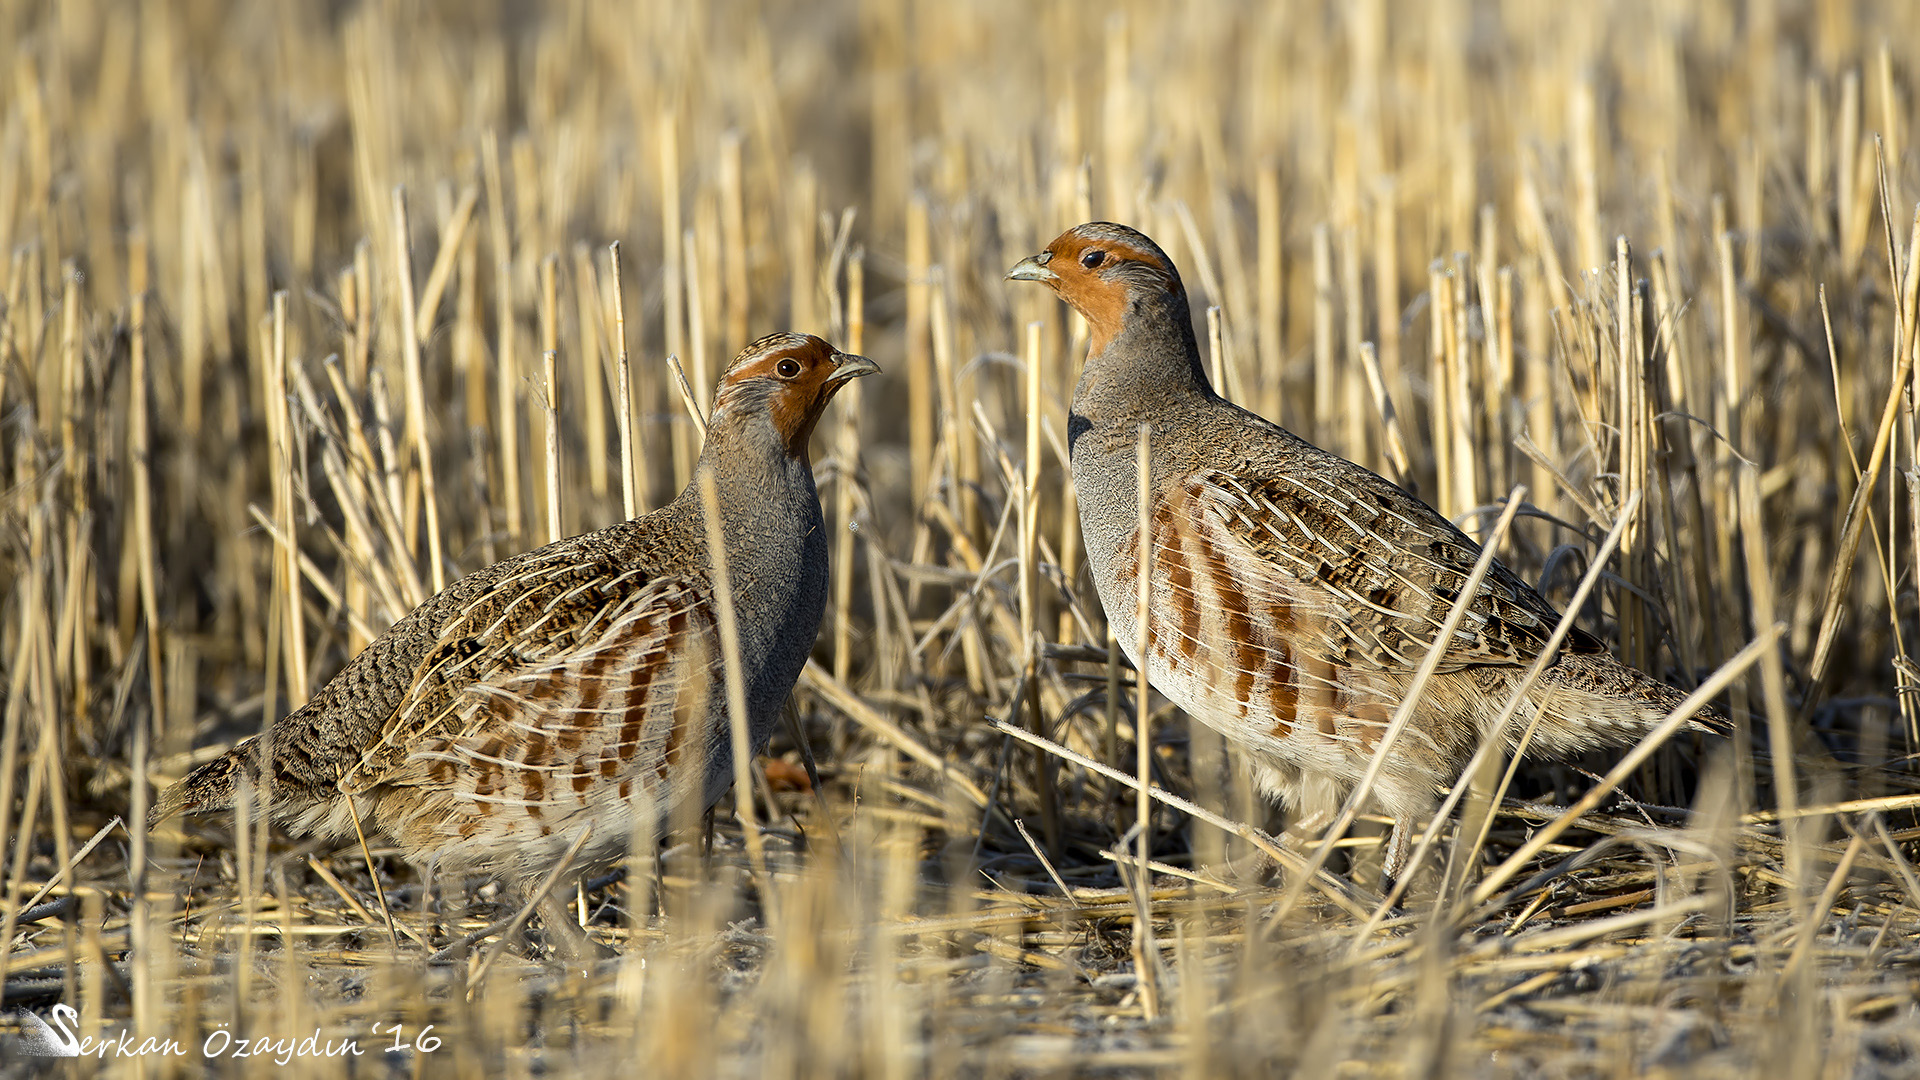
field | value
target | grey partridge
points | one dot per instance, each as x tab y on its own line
581	681
1294	593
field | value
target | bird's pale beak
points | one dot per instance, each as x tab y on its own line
1033	268
848	366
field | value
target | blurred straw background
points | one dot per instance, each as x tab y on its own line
311	308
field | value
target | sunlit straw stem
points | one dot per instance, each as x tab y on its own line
416	394
552	409
593	378
849	459
443	262
623	408
506	386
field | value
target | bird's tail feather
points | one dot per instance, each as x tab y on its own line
1600	703
209	787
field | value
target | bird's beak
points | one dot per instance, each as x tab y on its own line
1033	268
847	366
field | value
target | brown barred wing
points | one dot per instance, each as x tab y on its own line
1388	565
556	690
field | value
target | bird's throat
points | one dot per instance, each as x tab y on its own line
1149	368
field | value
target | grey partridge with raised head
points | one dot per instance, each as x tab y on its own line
1294	593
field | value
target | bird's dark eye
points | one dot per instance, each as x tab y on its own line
788	368
1093	258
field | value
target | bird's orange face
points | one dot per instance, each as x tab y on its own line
795	376
1097	268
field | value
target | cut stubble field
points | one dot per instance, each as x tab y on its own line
309	310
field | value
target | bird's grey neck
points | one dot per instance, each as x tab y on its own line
758	472
1151	366
774	537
